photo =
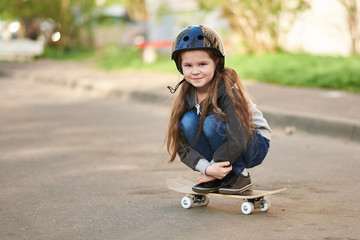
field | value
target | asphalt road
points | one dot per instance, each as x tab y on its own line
76	166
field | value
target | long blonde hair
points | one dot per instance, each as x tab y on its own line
235	90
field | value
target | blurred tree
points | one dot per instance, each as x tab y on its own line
259	23
136	9
352	8
69	15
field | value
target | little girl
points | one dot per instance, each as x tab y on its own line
215	128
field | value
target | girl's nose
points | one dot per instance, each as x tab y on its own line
195	70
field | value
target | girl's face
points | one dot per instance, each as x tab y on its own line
198	68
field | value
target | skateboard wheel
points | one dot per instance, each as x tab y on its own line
264	205
247	208
205	201
186	202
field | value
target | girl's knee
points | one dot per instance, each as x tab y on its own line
189	121
213	126
257	151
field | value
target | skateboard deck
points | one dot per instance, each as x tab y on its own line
252	198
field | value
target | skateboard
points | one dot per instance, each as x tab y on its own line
251	199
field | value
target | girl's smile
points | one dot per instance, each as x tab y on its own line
198	69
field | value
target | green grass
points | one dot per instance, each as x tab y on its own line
130	58
300	70
342	73
76	54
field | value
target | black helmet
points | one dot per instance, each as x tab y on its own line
198	37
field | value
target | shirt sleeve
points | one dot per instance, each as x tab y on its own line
202	165
188	155
237	135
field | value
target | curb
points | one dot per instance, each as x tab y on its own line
315	125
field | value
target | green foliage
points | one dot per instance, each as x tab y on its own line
300	70
29	9
68	15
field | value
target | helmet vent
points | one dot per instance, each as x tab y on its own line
200	37
186	38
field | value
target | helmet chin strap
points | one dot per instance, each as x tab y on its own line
173	90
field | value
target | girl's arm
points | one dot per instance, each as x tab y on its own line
237	135
188	155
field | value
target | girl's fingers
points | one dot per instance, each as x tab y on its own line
223	164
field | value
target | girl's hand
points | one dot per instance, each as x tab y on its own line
203	178
218	170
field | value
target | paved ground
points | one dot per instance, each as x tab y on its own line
79	166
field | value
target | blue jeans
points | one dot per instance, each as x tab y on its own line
213	135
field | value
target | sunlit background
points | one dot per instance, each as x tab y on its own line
131	33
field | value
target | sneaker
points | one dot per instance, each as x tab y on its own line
234	184
207	187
